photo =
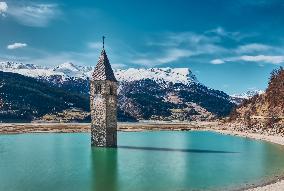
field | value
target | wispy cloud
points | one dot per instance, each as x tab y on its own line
181	38
16	45
172	47
252	52
252	48
270	59
170	55
263	58
174	54
46	58
34	14
222	32
210	42
78	58
234	35
51	59
3	8
217	61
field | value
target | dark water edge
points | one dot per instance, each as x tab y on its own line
261	183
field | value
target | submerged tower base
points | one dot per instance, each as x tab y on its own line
101	138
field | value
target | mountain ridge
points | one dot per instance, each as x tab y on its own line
144	94
69	70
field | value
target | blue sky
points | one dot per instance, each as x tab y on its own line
230	45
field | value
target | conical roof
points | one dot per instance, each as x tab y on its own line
103	70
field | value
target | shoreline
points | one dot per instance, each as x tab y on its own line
275	184
19	128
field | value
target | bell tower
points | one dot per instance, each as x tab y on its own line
103	103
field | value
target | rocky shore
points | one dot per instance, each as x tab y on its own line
14	128
258	126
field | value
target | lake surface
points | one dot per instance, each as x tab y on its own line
152	161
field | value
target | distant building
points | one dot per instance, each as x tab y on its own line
103	100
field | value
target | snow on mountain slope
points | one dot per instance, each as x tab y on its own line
160	75
66	67
239	98
27	69
248	94
15	66
65	70
68	70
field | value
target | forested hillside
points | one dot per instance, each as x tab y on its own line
24	98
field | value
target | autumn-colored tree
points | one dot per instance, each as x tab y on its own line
247	119
275	92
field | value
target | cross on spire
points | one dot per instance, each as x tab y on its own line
103	70
104	42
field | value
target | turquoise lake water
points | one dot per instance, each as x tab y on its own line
150	161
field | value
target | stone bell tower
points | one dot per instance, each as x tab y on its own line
103	100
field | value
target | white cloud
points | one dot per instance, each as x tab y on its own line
87	57
260	59
190	37
219	31
182	38
217	61
235	35
203	47
3	8
173	55
16	45
95	45
170	55
36	15
263	58
171	47
254	47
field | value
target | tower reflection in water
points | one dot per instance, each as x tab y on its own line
104	169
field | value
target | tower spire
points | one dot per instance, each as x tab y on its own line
103	103
104	42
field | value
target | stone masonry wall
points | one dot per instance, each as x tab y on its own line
103	102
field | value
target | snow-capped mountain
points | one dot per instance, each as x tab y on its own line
154	93
159	75
239	98
248	94
29	70
66	70
69	70
15	66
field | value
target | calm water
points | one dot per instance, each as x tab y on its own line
152	161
